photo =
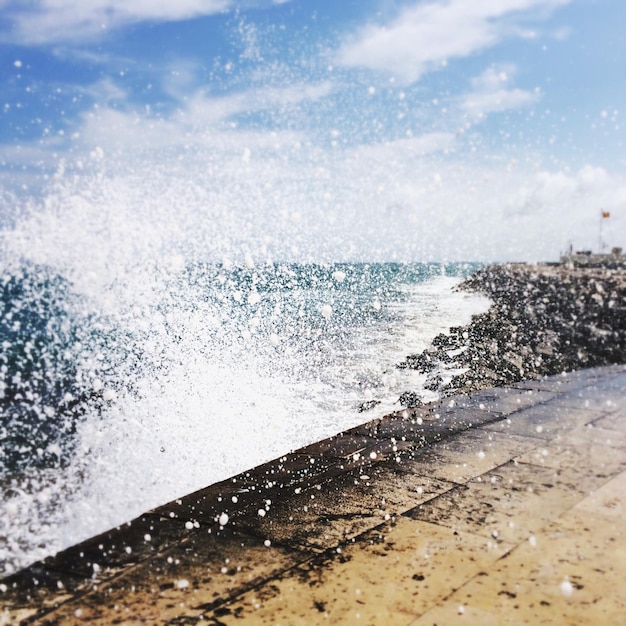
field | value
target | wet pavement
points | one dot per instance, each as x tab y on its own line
507	506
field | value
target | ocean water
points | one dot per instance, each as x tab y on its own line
114	404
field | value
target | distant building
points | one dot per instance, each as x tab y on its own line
586	258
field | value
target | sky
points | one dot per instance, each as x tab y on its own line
411	130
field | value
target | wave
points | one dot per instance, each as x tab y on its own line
137	374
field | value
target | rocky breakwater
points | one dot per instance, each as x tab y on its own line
545	319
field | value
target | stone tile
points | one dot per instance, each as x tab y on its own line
78	569
598	432
508	503
391	575
182	585
107	554
436	421
342	446
247	491
589	457
545	421
403	425
571	572
469	454
423	426
603	399
613	421
36	592
568	381
609	500
507	400
327	516
612	376
557	384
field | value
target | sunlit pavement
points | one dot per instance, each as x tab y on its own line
508	506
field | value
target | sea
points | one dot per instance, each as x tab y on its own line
112	405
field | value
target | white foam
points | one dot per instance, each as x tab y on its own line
211	395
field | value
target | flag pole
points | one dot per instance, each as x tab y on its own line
603	215
600	235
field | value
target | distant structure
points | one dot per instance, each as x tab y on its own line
586	258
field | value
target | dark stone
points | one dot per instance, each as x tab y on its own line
423	362
367	406
410	400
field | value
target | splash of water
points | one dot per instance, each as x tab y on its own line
158	347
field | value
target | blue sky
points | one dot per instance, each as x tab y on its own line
312	129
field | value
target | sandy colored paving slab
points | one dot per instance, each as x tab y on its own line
436	421
613	421
326	516
79	569
391	575
556	385
509	503
602	398
505	400
181	584
582	456
609	500
571	573
470	454
575	381
248	490
546	421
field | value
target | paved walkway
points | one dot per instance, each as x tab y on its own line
505	507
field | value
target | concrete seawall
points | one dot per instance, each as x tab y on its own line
507	505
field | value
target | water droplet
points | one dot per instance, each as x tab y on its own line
567	589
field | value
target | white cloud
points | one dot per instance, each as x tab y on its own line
55	21
492	94
404	150
192	129
593	183
104	91
204	109
43	153
428	34
200	121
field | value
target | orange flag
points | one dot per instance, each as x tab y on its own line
606	214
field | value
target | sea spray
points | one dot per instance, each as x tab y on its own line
170	355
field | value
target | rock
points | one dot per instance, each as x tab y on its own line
410	400
544	319
434	383
423	362
367	406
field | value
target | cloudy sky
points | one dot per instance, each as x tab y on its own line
316	129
